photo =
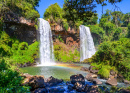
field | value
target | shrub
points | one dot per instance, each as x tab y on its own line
117	33
104	72
61	54
10	80
24	55
23	46
116	53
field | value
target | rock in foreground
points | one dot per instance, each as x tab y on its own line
112	81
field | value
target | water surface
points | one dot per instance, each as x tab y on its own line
60	71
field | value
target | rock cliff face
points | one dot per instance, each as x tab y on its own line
20	28
70	37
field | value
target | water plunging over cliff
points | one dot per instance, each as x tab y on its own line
46	43
87	48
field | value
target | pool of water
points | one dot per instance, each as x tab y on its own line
60	71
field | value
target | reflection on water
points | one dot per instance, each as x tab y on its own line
60	72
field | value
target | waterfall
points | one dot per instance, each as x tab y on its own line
87	48
46	43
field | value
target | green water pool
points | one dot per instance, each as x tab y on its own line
62	71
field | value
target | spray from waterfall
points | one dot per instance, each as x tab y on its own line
46	43
87	48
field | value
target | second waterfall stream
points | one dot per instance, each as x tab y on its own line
87	48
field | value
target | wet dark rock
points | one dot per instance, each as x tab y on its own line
97	81
91	89
70	87
77	78
84	69
40	90
35	82
51	81
79	86
126	81
91	68
57	90
112	81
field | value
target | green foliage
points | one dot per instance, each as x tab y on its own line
109	28
126	19
102	21
54	11
64	56
117	33
25	8
60	39
26	53
23	46
104	72
17	52
128	30
1	24
116	53
10	80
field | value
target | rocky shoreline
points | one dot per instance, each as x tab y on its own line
77	84
112	80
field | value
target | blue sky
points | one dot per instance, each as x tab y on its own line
124	6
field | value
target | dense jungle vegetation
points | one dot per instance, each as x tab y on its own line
112	37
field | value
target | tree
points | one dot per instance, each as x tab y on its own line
126	19
25	8
116	18
53	12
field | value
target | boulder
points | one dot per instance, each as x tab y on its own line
91	89
26	75
35	82
94	71
77	78
79	86
51	81
126	81
97	81
90	76
84	69
112	81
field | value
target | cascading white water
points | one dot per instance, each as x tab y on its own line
46	43
87	48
